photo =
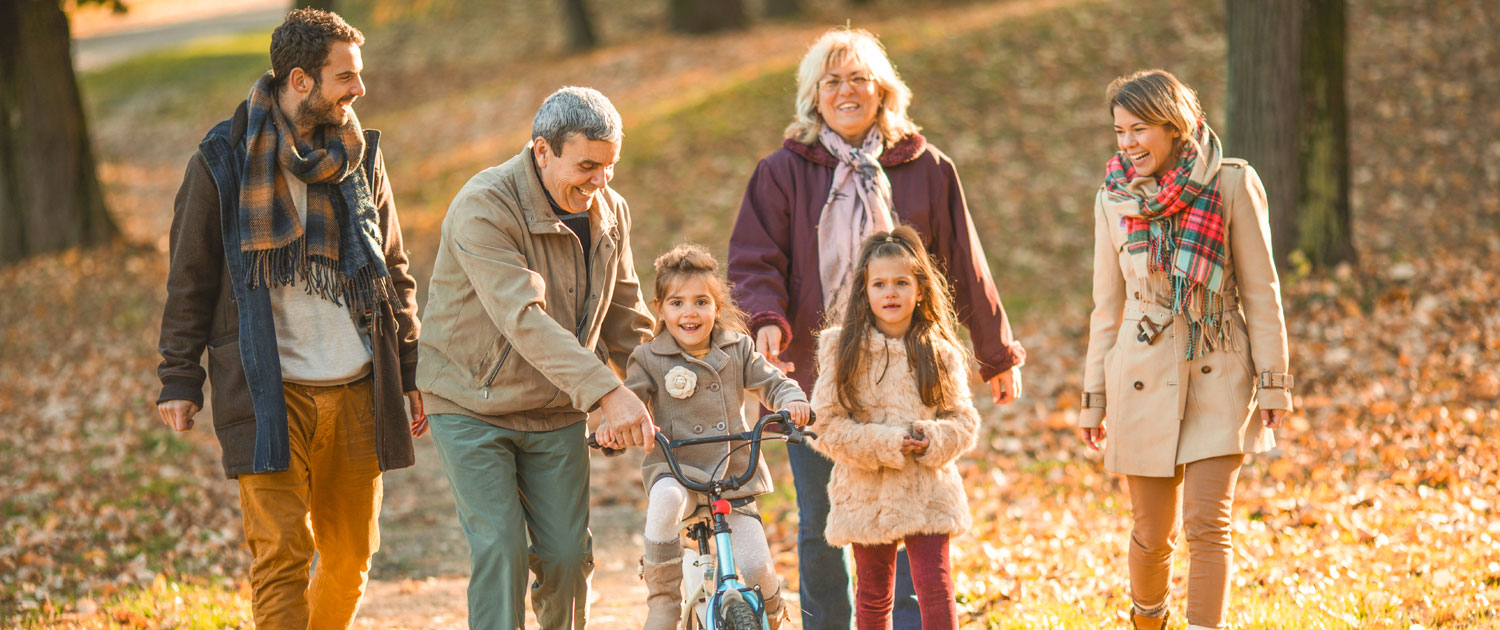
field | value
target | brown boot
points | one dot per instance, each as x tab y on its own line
1142	622
776	611
662	569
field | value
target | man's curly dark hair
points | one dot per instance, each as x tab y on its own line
302	41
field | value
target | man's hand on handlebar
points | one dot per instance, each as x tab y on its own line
626	421
801	413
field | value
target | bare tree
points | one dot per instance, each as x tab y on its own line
1288	118
705	16
50	197
580	27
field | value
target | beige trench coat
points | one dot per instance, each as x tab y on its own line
1164	410
731	369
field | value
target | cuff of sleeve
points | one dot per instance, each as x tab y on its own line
408	376
1014	355
1274	398
1090	417
181	389
768	318
589	391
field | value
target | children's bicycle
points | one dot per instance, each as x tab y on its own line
717	600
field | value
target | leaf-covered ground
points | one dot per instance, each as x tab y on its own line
1377	510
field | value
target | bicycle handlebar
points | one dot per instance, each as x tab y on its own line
790	432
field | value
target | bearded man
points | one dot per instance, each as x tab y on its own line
287	266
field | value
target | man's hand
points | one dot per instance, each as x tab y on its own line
177	414
1006	386
1272	417
418	414
626	421
768	344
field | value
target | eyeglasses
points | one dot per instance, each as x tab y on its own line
859	82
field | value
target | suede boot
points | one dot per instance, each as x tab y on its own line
776	611
662	568
1142	622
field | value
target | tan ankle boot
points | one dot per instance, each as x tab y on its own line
776	611
1142	622
663	595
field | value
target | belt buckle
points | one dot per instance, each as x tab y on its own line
1146	331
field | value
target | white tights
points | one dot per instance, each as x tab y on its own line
669	503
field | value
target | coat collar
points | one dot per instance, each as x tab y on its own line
905	150
666	345
540	219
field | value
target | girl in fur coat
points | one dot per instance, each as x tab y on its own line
894	412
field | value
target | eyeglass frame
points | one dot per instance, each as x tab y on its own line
831	84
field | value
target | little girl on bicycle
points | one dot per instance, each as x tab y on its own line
694	379
894	412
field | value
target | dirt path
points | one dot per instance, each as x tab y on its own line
102	38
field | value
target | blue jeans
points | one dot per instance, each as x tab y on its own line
827	600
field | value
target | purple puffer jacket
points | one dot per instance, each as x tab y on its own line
773	253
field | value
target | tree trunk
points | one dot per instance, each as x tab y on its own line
49	191
783	8
580	28
1325	235
1265	105
326	5
707	16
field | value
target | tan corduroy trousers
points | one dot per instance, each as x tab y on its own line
1203	491
327	502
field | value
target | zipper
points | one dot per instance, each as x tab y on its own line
495	372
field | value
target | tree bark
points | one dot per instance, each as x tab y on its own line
707	16
783	8
50	197
1265	105
580	28
1325	234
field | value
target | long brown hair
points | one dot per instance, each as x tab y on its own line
932	321
688	261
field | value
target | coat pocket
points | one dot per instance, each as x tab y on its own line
230	391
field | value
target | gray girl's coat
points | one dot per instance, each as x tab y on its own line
731	369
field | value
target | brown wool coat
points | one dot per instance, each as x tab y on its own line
1164	410
731	369
877	493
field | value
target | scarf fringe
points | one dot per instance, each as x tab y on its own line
282	266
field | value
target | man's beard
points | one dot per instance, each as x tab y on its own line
316	110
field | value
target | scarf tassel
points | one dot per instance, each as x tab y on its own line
280	268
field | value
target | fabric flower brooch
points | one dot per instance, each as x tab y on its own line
681	382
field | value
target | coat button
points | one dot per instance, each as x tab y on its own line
1206	369
697	428
1139	386
713	387
719	426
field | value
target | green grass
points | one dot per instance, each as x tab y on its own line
210	74
212	604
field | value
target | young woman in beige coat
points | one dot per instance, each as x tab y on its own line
1187	357
894	413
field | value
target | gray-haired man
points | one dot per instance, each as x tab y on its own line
532	294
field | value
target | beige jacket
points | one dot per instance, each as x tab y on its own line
517	332
1164	410
711	407
876	493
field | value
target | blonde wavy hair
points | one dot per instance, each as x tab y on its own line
836	47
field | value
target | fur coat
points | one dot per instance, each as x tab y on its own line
877	494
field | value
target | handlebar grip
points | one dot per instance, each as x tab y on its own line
608	452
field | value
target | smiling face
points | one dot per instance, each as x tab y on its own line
1149	147
849	100
584	167
688	312
891	284
330	100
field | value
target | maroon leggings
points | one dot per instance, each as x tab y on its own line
875	571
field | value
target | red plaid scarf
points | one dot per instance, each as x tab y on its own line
1176	223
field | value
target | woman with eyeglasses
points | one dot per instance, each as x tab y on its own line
851	164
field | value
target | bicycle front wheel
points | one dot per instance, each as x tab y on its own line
739	616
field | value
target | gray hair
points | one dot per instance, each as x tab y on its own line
573	110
